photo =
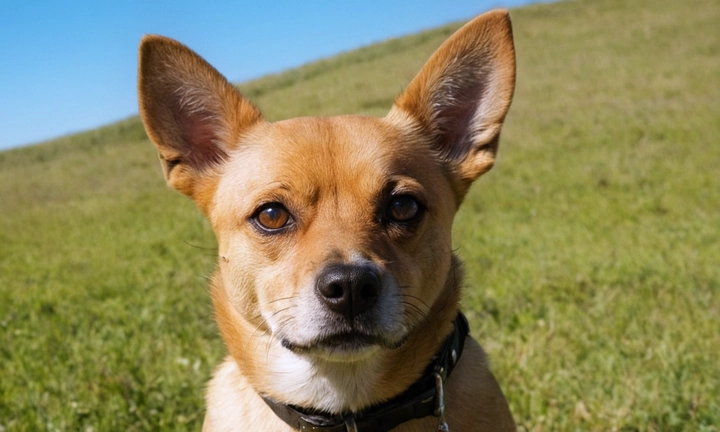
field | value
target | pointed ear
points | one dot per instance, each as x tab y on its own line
462	94
192	114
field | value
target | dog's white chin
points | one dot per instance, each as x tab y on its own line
328	379
339	355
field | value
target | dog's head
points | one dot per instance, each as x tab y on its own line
334	233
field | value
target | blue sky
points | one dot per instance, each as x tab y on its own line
69	66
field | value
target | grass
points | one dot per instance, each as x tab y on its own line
592	249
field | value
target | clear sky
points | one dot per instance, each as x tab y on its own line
67	66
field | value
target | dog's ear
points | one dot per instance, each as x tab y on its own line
462	94
192	114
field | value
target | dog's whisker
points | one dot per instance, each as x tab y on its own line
406	300
414	317
281	299
213	249
411	320
257	328
417	299
252	335
268	345
415	311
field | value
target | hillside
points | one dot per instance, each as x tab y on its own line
592	248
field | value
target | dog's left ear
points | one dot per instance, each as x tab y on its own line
462	94
192	114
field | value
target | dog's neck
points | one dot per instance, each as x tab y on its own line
333	387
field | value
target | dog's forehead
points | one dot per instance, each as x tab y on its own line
329	141
325	151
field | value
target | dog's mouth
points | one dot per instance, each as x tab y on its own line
344	345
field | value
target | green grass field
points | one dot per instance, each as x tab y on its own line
592	248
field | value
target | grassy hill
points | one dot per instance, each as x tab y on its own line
593	247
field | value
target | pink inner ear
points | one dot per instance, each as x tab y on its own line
200	138
456	111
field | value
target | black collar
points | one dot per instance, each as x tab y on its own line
420	400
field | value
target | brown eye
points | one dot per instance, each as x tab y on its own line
403	208
273	217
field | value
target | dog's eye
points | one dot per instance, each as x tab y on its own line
272	217
404	208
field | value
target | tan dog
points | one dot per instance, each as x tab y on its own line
337	291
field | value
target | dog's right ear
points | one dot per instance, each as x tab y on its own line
192	114
462	94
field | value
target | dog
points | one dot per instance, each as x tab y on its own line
336	290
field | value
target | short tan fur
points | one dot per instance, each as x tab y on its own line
298	202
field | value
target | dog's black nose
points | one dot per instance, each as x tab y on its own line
348	290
